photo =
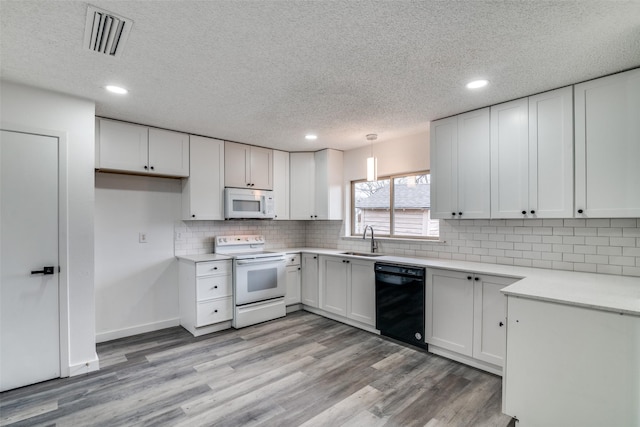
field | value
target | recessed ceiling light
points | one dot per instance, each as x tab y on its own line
116	89
311	137
476	84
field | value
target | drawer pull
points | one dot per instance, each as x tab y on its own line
215	311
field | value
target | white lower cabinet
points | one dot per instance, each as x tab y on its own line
347	288
294	276
570	366
309	286
465	317
206	296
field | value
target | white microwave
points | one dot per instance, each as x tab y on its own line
245	203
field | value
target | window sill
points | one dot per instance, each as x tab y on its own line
396	239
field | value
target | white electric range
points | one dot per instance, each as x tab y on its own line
259	279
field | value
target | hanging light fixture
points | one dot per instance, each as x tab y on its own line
372	162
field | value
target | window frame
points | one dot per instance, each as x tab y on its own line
391	178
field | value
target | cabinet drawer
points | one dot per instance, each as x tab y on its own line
213	287
293	259
213	267
214	311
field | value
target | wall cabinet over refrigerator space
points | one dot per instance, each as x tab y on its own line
607	117
316	185
125	147
532	156
203	191
246	166
460	166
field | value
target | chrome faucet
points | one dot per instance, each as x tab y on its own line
374	244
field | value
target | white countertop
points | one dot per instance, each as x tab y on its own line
619	294
203	257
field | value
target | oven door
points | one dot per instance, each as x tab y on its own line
259	279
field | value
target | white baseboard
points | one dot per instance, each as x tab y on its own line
497	370
341	319
85	367
135	330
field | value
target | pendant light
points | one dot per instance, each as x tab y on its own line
372	162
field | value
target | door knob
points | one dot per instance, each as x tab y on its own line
45	271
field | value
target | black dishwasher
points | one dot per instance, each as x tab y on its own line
400	302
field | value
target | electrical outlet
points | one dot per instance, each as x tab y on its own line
178	235
142	237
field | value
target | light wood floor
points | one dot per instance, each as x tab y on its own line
300	370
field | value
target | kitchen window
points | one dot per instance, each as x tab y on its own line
395	206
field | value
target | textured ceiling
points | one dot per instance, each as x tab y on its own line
267	72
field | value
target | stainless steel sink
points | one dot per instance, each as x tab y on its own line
367	254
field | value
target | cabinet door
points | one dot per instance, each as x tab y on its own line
474	175
293	285
310	289
281	183
490	318
203	191
236	165
608	146
328	184
551	154
444	168
261	168
168	153
122	146
302	189
449	316
333	288
362	293
510	159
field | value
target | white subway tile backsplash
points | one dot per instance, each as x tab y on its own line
610	231
610	246
609	250
623	222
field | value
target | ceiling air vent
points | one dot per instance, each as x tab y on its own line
106	32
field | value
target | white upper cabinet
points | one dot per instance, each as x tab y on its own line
551	154
532	157
510	159
607	118
302	188
281	183
316	185
328	182
203	191
460	166
246	166
168	152
126	147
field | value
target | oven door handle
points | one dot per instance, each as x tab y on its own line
256	262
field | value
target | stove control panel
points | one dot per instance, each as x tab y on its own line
239	240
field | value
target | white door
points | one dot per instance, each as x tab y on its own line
122	146
261	164
29	317
334	285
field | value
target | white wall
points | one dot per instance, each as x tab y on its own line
34	108
395	156
136	283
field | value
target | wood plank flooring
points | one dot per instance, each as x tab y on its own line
302	370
